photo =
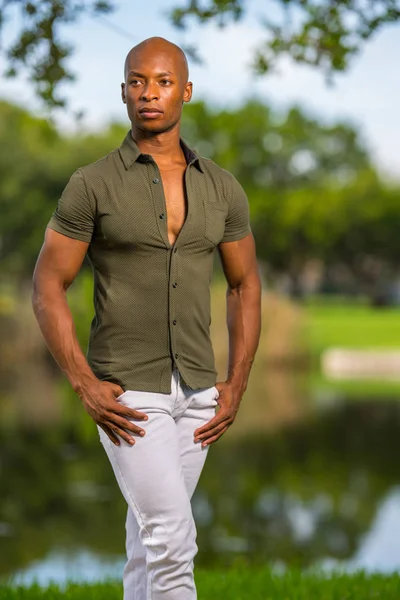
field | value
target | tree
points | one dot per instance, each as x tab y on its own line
33	172
314	194
324	33
38	47
313	191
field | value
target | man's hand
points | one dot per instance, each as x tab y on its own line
228	400
99	401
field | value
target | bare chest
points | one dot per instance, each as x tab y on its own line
173	181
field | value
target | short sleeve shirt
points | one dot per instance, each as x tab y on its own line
151	298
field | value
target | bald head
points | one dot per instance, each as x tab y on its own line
156	78
158	47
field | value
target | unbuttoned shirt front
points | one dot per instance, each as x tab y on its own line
151	298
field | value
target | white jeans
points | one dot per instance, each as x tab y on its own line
157	476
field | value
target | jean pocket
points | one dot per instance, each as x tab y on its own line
216	392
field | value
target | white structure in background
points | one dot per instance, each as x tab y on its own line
340	363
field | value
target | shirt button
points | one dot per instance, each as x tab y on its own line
176	355
175	249
174	322
162	216
156	180
174	285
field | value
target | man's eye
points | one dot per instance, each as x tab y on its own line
166	81
134	81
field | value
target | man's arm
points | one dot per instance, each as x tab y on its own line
59	262
240	267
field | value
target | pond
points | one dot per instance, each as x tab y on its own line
310	480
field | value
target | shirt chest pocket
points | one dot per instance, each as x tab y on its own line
215	222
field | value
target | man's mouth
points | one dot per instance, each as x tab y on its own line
150	110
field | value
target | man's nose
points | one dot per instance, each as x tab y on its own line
149	91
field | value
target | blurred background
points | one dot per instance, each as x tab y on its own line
305	114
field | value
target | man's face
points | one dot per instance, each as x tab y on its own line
154	90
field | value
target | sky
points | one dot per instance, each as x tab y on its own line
367	95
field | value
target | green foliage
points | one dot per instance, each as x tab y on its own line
38	48
238	584
313	191
33	172
320	33
266	150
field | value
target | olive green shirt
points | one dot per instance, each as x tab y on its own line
151	299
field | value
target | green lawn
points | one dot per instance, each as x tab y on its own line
352	326
355	388
249	584
358	326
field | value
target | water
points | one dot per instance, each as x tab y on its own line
319	485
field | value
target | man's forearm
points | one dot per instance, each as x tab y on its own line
55	321
244	326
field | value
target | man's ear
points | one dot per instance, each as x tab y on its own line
123	93
187	94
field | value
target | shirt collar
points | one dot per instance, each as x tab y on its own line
130	153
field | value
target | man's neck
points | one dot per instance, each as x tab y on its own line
164	147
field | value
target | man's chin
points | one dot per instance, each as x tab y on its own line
151	128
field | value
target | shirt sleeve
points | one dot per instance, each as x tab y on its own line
74	215
237	224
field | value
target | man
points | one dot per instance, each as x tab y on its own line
150	216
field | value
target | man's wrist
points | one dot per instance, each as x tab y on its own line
82	381
238	375
237	385
238	381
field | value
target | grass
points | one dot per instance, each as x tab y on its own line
254	584
356	388
356	326
352	326
293	333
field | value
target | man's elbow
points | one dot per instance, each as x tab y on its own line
249	280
